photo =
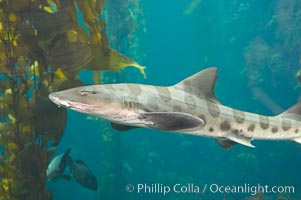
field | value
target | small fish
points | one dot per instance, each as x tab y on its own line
83	175
57	166
78	169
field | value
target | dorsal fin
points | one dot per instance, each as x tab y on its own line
201	83
67	159
293	112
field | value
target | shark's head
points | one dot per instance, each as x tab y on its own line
97	100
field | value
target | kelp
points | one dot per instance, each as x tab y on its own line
43	46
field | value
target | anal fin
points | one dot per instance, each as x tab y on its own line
225	143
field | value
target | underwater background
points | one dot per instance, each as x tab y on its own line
256	46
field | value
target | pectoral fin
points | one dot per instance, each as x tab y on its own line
171	121
122	127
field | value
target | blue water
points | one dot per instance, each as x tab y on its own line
175	46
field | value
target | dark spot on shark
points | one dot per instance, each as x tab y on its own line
135	90
251	127
188	88
164	94
239	116
297	130
211	129
238	132
264	126
286	124
213	108
189	101
274	130
225	126
264	122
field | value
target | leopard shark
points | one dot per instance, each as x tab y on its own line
188	107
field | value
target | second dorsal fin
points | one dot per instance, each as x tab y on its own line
293	112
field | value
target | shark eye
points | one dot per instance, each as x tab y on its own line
83	93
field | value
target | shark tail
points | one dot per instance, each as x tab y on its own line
293	113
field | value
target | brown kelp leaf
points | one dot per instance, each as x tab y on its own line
3	59
92	18
5	127
109	59
62	4
96	77
49	25
88	9
67	55
76	26
70	83
26	44
100	59
99	5
119	61
18	5
50	120
24	111
12	147
32	160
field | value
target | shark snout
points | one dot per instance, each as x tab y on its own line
58	101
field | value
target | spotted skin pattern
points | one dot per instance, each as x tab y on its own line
191	99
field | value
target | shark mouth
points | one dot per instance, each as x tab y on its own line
84	108
59	101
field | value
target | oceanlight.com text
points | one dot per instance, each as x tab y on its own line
251	189
192	188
